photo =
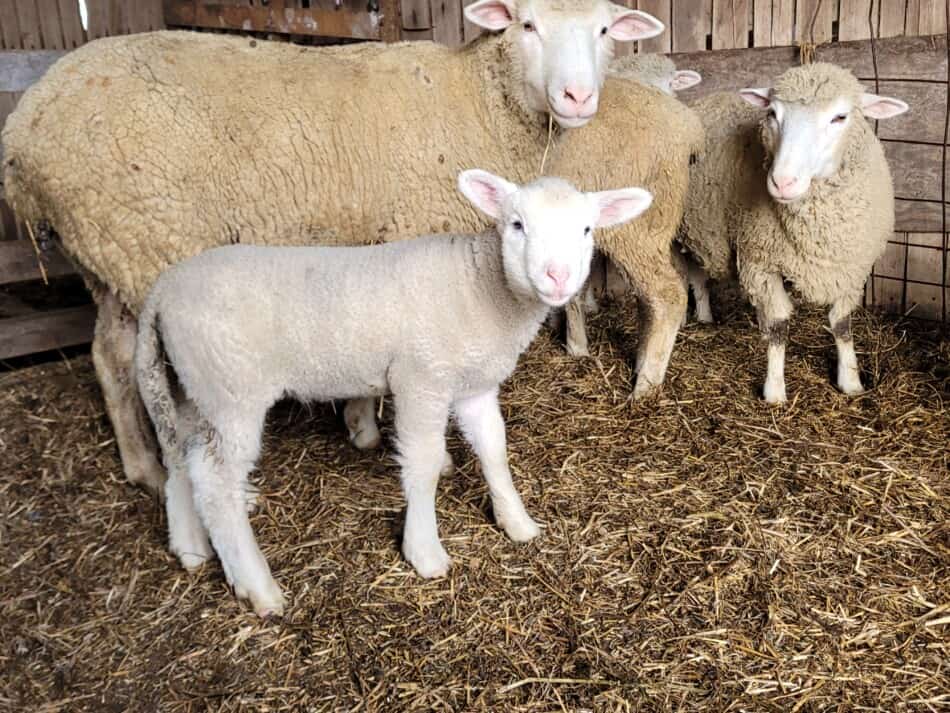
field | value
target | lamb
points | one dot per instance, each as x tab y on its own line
243	325
797	188
292	156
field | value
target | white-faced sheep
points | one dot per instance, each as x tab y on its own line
138	155
794	185
243	325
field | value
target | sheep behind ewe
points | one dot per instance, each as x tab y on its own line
794	185
143	150
244	325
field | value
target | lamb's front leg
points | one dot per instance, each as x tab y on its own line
482	424
421	419
839	317
774	309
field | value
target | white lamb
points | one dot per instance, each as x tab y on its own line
794	187
241	326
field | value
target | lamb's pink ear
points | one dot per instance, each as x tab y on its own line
876	107
757	97
629	25
491	14
485	190
684	79
619	206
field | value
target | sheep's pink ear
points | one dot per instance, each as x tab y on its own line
757	97
684	79
875	107
485	190
629	25
619	206
491	14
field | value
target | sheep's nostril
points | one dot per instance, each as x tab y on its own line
559	275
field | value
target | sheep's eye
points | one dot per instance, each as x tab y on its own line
603	31
587	230
839	119
517	225
528	27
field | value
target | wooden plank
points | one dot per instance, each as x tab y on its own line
853	22
20	69
71	23
416	15
892	18
925	257
924	121
691	25
914	58
315	22
761	23
30	36
933	17
158	15
729	70
389	18
447	22
20	263
661	10
730	24
783	22
813	20
469	30
42	331
9	26
8	223
416	35
915	169
918	215
50	25
138	16
97	16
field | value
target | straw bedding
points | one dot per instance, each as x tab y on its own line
702	551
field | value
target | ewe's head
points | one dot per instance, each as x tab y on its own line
655	70
547	229
811	112
561	48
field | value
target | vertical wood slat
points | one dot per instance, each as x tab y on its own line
71	23
730	24
912	18
892	18
31	38
933	17
9	26
469	30
661	10
783	22
97	14
416	15
447	22
813	20
692	22
50	25
761	23
853	21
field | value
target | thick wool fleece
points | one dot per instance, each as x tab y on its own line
826	243
650	69
244	325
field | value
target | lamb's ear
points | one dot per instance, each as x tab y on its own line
619	206
684	79
491	14
760	97
629	25
875	107
485	190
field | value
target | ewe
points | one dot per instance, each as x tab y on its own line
438	322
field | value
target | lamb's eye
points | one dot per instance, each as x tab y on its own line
517	225
528	27
603	31
839	119
587	230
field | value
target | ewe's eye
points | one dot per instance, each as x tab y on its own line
603	31
839	119
517	225
587	230
528	27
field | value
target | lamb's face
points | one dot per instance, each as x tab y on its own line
562	48
807	139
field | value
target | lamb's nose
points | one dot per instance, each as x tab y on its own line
559	275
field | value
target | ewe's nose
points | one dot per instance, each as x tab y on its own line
576	97
785	186
559	275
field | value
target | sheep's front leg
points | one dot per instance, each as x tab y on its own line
849	378
360	418
482	424
420	438
576	328
774	309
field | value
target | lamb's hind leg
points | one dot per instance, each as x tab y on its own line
113	350
849	378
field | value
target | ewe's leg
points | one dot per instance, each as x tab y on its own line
420	438
576	328
360	418
481	422
698	282
218	468
774	309
849	379
113	349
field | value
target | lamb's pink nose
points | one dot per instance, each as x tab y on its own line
576	96
559	275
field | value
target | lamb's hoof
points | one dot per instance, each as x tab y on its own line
521	529
447	465
269	602
148	473
366	439
578	351
429	561
704	317
193	555
774	395
643	389
850	387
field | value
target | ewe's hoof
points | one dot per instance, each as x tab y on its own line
577	351
428	561
522	529
774	395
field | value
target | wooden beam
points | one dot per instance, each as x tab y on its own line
21	68
347	21
20	263
42	331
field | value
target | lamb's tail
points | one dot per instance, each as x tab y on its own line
153	379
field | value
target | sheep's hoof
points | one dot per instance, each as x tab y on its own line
447	465
578	351
268	603
521	529
147	472
195	557
429	561
851	389
774	395
366	439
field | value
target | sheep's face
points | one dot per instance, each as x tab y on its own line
547	229
807	140
561	48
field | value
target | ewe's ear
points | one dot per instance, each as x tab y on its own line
629	25
491	14
684	79
875	107
757	97
485	190
619	206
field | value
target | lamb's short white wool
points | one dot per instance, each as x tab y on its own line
242	326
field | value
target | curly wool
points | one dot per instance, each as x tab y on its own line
650	69
817	84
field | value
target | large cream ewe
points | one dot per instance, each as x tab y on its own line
143	150
794	186
438	322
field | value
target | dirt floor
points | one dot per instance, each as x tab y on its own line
702	551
